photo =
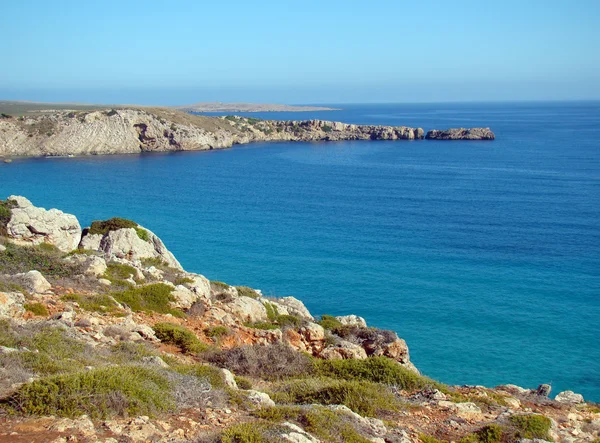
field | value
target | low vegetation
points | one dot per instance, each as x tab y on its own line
99	393
102	303
103	227
5	214
38	309
531	426
373	369
44	258
179	336
155	297
271	362
363	397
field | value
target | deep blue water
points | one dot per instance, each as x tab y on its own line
484	256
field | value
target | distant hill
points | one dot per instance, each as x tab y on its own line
248	107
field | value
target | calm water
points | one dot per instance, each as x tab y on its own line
484	256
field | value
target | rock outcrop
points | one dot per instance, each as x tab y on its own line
461	134
129	131
126	244
33	225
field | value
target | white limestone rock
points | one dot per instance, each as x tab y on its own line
342	351
126	244
296	434
246	309
11	304
569	397
260	399
353	320
34	282
228	378
32	225
295	307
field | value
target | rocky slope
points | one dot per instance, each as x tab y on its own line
104	337
125	131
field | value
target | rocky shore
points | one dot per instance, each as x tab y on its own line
104	337
135	130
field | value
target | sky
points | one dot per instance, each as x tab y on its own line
327	51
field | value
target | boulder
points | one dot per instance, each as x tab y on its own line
11	304
32	225
295	307
373	426
34	282
461	134
260	399
184	298
246	309
126	244
569	397
342	351
95	266
352	320
228	378
200	285
295	434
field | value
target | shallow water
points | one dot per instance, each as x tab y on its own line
484	256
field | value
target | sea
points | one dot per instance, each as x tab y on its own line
483	255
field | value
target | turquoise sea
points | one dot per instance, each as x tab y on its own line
484	256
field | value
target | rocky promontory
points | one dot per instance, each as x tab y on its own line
105	337
461	134
133	130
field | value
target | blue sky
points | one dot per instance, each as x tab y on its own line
176	52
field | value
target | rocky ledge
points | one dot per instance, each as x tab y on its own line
461	134
104	337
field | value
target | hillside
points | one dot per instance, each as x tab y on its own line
104	337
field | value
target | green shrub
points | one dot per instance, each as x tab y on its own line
243	433
142	233
99	393
9	286
327	128
182	280
94	303
272	312
44	258
362	397
492	433
329	322
118	273
113	224
531	426
6	207
216	331
289	321
155	297
264	325
179	336
36	309
245	291
373	369
243	382
330	426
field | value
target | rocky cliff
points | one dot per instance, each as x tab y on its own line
114	341
126	131
461	134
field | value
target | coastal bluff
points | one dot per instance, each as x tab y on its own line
135	130
105	337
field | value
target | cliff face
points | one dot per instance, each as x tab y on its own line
128	131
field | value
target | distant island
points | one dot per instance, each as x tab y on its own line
248	107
